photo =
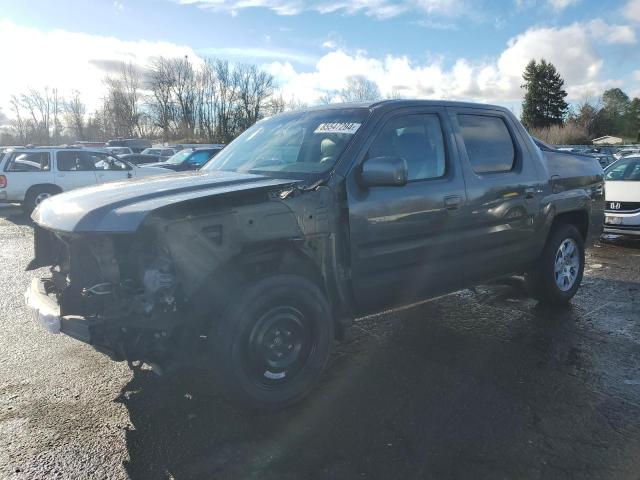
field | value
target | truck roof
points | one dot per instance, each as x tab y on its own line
400	103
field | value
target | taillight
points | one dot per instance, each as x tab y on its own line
3	181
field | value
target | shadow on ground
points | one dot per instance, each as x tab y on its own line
480	384
14	214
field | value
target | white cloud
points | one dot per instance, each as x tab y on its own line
496	81
119	6
253	53
555	5
632	10
559	5
68	61
374	8
611	34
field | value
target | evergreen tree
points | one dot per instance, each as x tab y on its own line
544	100
616	106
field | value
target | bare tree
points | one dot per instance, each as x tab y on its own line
75	112
161	82
215	101
327	98
277	104
225	100
207	100
184	91
360	89
122	101
254	89
57	105
19	123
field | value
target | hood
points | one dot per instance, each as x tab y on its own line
626	191
156	165
120	207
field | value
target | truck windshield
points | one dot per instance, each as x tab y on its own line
179	157
294	143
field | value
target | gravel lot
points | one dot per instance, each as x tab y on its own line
479	384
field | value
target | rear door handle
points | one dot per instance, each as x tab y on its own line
452	203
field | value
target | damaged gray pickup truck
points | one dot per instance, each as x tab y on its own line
255	264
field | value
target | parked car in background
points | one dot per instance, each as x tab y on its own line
89	144
139	158
622	210
161	154
189	159
603	154
626	151
254	264
136	145
605	159
29	175
118	150
182	146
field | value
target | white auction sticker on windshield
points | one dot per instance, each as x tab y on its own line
338	127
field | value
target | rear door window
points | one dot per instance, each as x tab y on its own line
488	143
74	161
28	162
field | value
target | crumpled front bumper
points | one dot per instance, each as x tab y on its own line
46	312
45	309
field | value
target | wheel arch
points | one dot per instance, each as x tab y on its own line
293	257
578	218
45	185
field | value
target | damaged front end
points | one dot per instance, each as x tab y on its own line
117	293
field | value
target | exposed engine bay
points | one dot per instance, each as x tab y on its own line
119	293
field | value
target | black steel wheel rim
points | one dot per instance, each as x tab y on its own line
278	346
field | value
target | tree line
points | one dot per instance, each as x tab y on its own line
212	100
171	99
547	115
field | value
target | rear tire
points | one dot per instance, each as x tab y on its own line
35	195
272	343
557	275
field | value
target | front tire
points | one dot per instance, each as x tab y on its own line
557	275
35	195
272	343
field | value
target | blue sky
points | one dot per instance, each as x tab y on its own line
422	48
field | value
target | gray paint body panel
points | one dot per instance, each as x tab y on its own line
121	207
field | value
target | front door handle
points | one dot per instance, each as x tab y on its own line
452	203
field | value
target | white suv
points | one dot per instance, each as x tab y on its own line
29	175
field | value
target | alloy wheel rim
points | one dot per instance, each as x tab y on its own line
567	264
41	197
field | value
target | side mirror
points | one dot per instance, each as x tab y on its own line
384	172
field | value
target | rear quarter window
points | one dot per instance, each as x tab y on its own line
27	162
488	143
